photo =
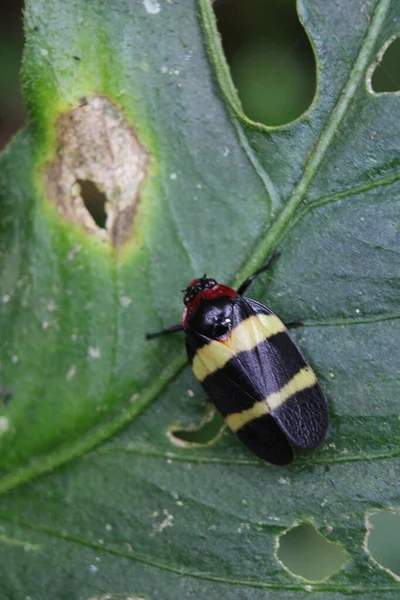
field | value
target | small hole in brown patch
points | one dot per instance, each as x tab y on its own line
98	169
386	75
308	554
206	433
95	202
383	540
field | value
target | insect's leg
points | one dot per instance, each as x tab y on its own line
248	281
174	329
296	323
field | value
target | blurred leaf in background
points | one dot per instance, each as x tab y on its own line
12	113
270	57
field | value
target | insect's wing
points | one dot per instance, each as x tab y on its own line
304	417
260	382
292	394
232	390
233	376
265	439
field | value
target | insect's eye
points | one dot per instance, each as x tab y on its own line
196	288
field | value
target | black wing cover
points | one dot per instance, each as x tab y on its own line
252	375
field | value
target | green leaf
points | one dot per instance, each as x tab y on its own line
136	97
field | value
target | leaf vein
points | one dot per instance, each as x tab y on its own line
248	462
331	199
241	582
275	232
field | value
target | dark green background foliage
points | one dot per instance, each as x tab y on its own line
270	57
11	44
134	513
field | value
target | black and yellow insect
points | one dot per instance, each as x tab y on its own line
252	370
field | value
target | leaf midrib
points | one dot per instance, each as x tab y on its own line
270	240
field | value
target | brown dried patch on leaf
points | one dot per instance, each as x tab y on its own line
96	145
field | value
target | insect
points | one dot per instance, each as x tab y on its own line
251	369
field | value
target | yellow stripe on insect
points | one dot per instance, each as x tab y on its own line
245	336
238	420
304	379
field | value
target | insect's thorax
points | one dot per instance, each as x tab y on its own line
211	318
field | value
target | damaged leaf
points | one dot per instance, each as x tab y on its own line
186	184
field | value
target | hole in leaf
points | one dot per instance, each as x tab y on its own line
386	75
308	554
12	112
207	432
270	57
383	540
95	143
95	202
